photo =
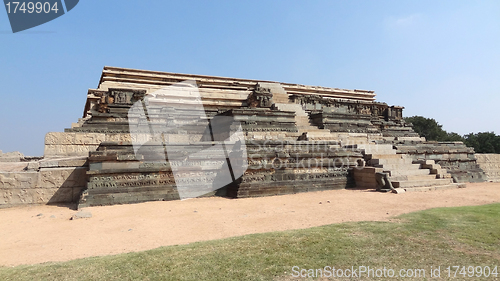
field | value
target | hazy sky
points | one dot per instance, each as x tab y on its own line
439	59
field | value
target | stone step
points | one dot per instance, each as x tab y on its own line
409	172
436	187
280	99
312	129
369	170
369	145
271	135
412	177
297	108
441	172
395	161
386	156
304	124
420	183
322	138
425	162
432	166
444	175
374	146
376	149
400	167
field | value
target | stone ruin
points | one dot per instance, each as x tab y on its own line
148	135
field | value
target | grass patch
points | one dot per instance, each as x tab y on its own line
439	237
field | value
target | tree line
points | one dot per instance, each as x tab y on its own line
484	142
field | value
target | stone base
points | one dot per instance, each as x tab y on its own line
53	182
117	175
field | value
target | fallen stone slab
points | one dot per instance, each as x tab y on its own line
13	166
436	187
81	215
420	189
398	190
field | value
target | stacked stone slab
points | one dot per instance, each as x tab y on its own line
32	180
302	120
277	168
403	171
490	164
455	157
355	116
117	175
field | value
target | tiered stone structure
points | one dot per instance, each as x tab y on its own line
404	172
455	157
298	138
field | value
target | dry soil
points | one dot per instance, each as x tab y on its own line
37	234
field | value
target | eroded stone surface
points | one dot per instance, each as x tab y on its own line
490	163
15	156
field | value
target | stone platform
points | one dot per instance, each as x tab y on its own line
147	135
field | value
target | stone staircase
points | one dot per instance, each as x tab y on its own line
404	173
302	119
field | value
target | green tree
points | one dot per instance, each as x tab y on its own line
484	142
427	127
454	137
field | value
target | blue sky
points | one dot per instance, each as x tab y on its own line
439	59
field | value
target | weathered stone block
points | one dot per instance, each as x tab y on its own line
18	180
60	138
68	150
62	177
15	156
13	166
21	196
77	161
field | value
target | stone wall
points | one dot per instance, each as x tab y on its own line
455	157
118	175
490	163
71	144
277	167
47	181
57	178
358	116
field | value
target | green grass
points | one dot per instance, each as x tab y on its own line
439	237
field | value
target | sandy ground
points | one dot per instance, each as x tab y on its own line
26	237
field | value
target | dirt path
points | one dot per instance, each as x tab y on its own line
26	238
